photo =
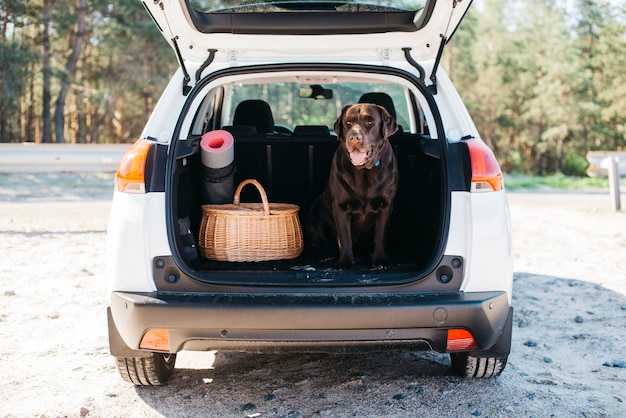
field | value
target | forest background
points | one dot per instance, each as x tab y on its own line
545	80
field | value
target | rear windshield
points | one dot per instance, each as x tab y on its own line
251	6
292	105
305	17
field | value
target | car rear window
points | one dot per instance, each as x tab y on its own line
291	109
247	6
305	17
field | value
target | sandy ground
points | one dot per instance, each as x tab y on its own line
569	338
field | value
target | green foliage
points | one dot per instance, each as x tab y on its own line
554	181
124	64
574	164
14	74
551	84
543	79
14	63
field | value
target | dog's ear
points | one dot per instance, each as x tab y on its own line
339	122
388	123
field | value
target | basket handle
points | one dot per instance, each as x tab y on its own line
261	190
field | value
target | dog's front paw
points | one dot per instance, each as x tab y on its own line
346	266
381	264
346	263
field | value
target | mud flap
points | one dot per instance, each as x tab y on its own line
502	347
117	346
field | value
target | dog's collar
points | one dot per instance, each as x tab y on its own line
366	167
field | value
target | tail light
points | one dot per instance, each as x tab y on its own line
460	340
156	339
130	176
486	173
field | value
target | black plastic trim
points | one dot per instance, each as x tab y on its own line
502	347
206	63
205	321
461	176
411	60
445	277
117	346
154	172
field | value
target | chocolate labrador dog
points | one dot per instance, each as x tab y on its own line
357	202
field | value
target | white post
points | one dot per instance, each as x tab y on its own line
614	178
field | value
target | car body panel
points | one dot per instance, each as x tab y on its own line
491	254
132	243
173	18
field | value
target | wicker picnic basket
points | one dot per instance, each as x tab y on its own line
250	231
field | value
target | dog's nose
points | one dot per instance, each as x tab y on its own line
355	136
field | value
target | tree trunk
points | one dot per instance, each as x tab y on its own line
118	118
70	69
5	21
45	42
97	121
2	128
30	118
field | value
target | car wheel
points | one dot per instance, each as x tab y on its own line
147	371
466	365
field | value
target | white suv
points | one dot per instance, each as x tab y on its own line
273	77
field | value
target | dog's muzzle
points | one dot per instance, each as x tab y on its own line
363	159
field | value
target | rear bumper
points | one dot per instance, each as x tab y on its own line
305	322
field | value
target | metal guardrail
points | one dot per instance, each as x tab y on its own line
29	157
611	164
600	162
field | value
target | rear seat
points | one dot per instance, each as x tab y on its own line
292	169
295	169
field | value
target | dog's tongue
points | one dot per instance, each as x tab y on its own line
357	157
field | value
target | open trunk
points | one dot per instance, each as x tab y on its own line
293	167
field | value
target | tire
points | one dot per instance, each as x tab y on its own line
477	367
147	371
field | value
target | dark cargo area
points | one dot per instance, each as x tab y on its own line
294	169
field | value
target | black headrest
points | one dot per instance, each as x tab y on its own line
256	113
381	99
240	130
311	130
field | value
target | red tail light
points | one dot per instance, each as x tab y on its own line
460	340
130	173
486	173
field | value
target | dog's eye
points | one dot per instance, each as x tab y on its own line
348	122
